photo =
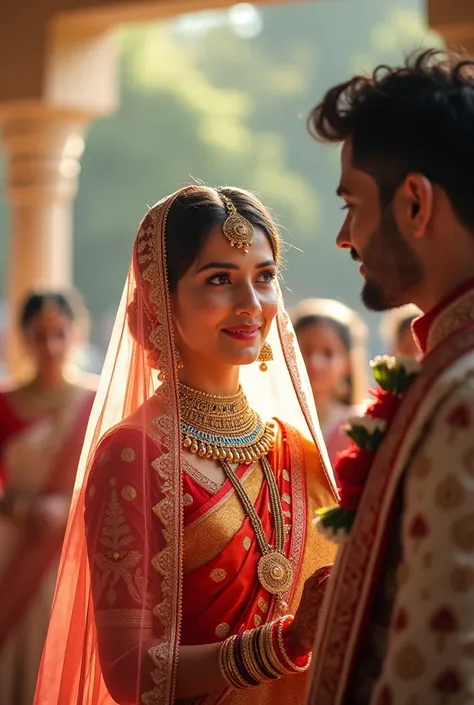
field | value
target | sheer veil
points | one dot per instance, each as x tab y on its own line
141	355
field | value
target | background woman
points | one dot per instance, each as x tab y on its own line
332	338
42	426
198	507
396	333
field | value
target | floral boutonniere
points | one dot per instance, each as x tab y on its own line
393	375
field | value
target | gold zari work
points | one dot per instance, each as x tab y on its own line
223	427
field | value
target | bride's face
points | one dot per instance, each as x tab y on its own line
225	303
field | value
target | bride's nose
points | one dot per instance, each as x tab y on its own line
247	302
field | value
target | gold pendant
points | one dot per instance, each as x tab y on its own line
275	572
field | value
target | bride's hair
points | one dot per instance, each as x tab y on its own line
194	213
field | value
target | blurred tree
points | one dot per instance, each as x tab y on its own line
174	125
200	102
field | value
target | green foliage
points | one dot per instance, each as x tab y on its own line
220	109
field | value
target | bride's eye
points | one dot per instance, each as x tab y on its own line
266	277
218	279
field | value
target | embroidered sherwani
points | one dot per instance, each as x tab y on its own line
398	621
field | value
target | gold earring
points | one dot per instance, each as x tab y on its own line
266	355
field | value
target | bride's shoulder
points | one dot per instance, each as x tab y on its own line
134	436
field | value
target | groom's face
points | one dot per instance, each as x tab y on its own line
389	266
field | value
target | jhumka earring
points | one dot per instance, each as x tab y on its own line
266	355
237	229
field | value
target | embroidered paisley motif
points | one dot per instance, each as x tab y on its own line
117	562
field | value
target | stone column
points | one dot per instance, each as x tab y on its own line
43	146
454	20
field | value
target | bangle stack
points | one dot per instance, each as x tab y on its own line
260	655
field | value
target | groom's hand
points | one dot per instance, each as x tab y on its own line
302	631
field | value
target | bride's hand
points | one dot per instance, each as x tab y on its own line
302	630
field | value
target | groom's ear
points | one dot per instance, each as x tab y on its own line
415	205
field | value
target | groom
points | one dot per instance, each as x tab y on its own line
397	626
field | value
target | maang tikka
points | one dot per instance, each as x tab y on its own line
237	229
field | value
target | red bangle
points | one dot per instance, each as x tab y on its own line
296	664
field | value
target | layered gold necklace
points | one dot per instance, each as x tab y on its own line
227	429
223	427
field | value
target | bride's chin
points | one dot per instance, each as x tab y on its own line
241	360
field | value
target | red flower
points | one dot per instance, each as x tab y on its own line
353	465
352	468
384	406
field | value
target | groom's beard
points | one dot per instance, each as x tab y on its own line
391	266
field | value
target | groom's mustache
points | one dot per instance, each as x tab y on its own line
354	255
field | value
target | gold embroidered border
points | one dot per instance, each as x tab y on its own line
124	618
457	315
206	537
298	495
287	340
309	550
248	472
199	478
343	610
150	259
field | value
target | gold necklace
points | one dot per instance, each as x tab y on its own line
274	570
222	427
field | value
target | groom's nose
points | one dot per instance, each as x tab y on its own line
343	239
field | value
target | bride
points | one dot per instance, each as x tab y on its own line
189	545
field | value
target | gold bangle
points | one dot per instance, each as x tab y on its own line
264	652
259	648
249	658
225	663
235	676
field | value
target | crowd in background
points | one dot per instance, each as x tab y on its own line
44	419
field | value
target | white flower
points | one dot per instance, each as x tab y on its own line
368	423
387	361
407	363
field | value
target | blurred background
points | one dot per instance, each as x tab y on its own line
222	96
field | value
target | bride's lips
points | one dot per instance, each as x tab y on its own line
242	332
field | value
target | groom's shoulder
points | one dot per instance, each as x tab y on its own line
449	406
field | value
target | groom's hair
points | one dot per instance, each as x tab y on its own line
415	118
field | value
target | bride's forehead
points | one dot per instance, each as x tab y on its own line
216	246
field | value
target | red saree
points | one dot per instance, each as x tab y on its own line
37	458
220	553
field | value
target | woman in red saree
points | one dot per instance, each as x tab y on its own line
42	427
162	580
